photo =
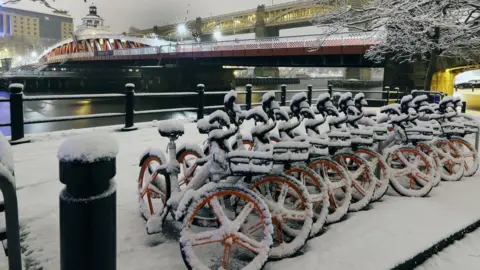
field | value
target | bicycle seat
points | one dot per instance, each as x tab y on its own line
291	151
322	101
307	113
287	127
282	115
426	109
233	110
313	124
404	103
398	119
345	101
219	117
204	126
171	129
391	109
360	101
259	131
419	101
298	102
257	114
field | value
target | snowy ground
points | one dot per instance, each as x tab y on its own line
387	234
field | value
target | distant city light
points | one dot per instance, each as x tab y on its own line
217	35
181	29
34	54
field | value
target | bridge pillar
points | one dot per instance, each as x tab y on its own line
261	30
362	74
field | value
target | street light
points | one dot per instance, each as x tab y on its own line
217	35
181	29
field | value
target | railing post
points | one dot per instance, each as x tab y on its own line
16	114
201	93
464	106
330	90
8	189
387	88
88	203
309	94
283	95
248	98
473	87
129	107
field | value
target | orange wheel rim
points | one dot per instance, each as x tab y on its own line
181	159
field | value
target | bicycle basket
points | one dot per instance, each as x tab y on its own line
453	128
250	163
290	151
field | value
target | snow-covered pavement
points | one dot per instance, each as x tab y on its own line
389	233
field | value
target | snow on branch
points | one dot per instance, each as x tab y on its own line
415	29
46	3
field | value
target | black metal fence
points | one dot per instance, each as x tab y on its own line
17	100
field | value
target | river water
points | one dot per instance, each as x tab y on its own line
41	109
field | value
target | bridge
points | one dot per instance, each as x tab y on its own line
340	50
264	21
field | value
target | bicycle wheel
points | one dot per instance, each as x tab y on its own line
436	162
469	154
363	180
186	155
379	167
240	241
292	212
339	187
318	192
452	162
153	189
407	164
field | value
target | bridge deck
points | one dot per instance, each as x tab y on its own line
389	233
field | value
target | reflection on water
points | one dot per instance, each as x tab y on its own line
43	109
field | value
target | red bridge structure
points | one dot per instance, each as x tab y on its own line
339	50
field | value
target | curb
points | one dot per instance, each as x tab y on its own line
436	248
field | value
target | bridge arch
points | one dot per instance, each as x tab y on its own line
444	80
98	43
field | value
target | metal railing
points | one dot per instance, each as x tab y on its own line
17	100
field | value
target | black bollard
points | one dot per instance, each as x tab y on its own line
129	107
330	90
309	94
248	98
464	107
201	93
88	203
16	114
283	95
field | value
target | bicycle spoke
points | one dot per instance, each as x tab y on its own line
219	212
206	237
248	243
242	216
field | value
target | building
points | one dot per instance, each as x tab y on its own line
34	27
92	24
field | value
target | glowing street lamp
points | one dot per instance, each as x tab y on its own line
217	35
182	29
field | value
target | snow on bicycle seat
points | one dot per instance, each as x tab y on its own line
291	151
288	126
219	117
360	99
406	100
426	109
171	129
445	101
282	114
258	114
259	131
391	109
397	119
313	124
204	126
417	101
245	163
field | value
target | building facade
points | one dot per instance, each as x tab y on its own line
34	27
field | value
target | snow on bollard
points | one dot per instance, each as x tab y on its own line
88	202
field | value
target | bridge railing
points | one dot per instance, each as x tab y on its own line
251	97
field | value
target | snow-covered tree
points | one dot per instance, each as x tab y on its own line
46	3
411	30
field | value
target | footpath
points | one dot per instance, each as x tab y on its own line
389	233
